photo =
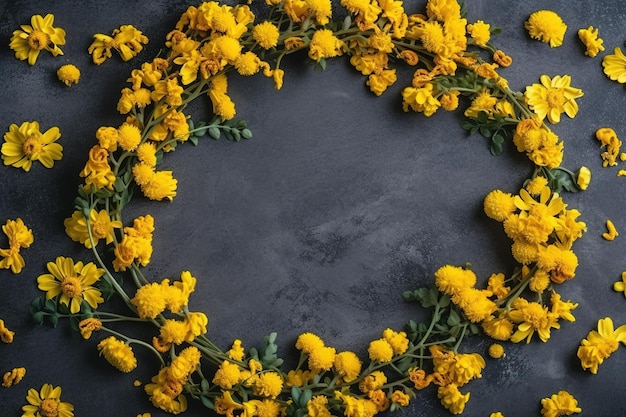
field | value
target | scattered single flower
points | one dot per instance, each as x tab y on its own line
589	37
615	66
600	344
561	404
69	74
553	97
40	35
620	286
546	26
46	402
611	233
6	335
25	143
127	40
583	178
13	377
609	140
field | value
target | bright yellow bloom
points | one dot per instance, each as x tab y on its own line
620	286
324	44
561	404
475	303
69	74
40	35
546	26
268	384
380	351
499	205
496	350
13	377
321	359
347	365
589	37
73	282
88	326
615	66
553	97
420	99
318	406
373	381
46	402
480	32
160	186
308	342
496	285
499	328
101	227
600	344
451	279
266	34
127	40
227	375
149	300
118	354
583	178
532	317
6	335
25	144
129	136
356	407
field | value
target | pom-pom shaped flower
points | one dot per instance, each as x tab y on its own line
546	26
25	143
615	66
266	34
553	97
39	36
118	354
46	402
68	74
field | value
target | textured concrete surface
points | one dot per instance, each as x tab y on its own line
338	204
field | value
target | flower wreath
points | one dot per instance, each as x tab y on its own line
451	61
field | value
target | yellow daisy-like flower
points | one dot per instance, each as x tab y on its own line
73	282
25	143
600	344
101	225
532	317
127	40
615	66
553	97
561	404
40	35
118	354
546	26
47	402
69	74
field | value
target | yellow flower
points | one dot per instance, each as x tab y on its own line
398	341
615	66
400	398
25	144
553	97
496	350
73	282
347	365
561	404
69	74
324	44
149	300
118	354
546	26
480	32
227	375
6	335
127	40
88	326
583	178
589	37
451	279
129	136
600	344
266	34
499	205
380	350
611	232
101	227
174	331
40	35
378	82
373	381
452	399
318	406
160	186
499	328
532	317
420	99
268	384
308	342
13	377
321	359
46	402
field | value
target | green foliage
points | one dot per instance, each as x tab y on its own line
234	130
491	128
268	356
560	179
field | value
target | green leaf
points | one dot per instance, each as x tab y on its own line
38	317
214	132
207	402
295	394
204	384
453	319
54	319
246	133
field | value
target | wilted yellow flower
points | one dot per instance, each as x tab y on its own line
68	74
452	399
561	404
546	26
40	35
127	40
88	326
13	377
611	232
6	335
118	354
600	344
25	143
589	37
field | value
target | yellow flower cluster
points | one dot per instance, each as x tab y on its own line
25	143
136	244
600	344
560	404
166	388
20	236
127	40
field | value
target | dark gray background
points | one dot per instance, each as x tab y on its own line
338	204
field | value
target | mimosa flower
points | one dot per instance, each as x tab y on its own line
40	35
25	143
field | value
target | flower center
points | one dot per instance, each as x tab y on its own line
38	40
49	407
99	230
31	145
72	287
555	98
